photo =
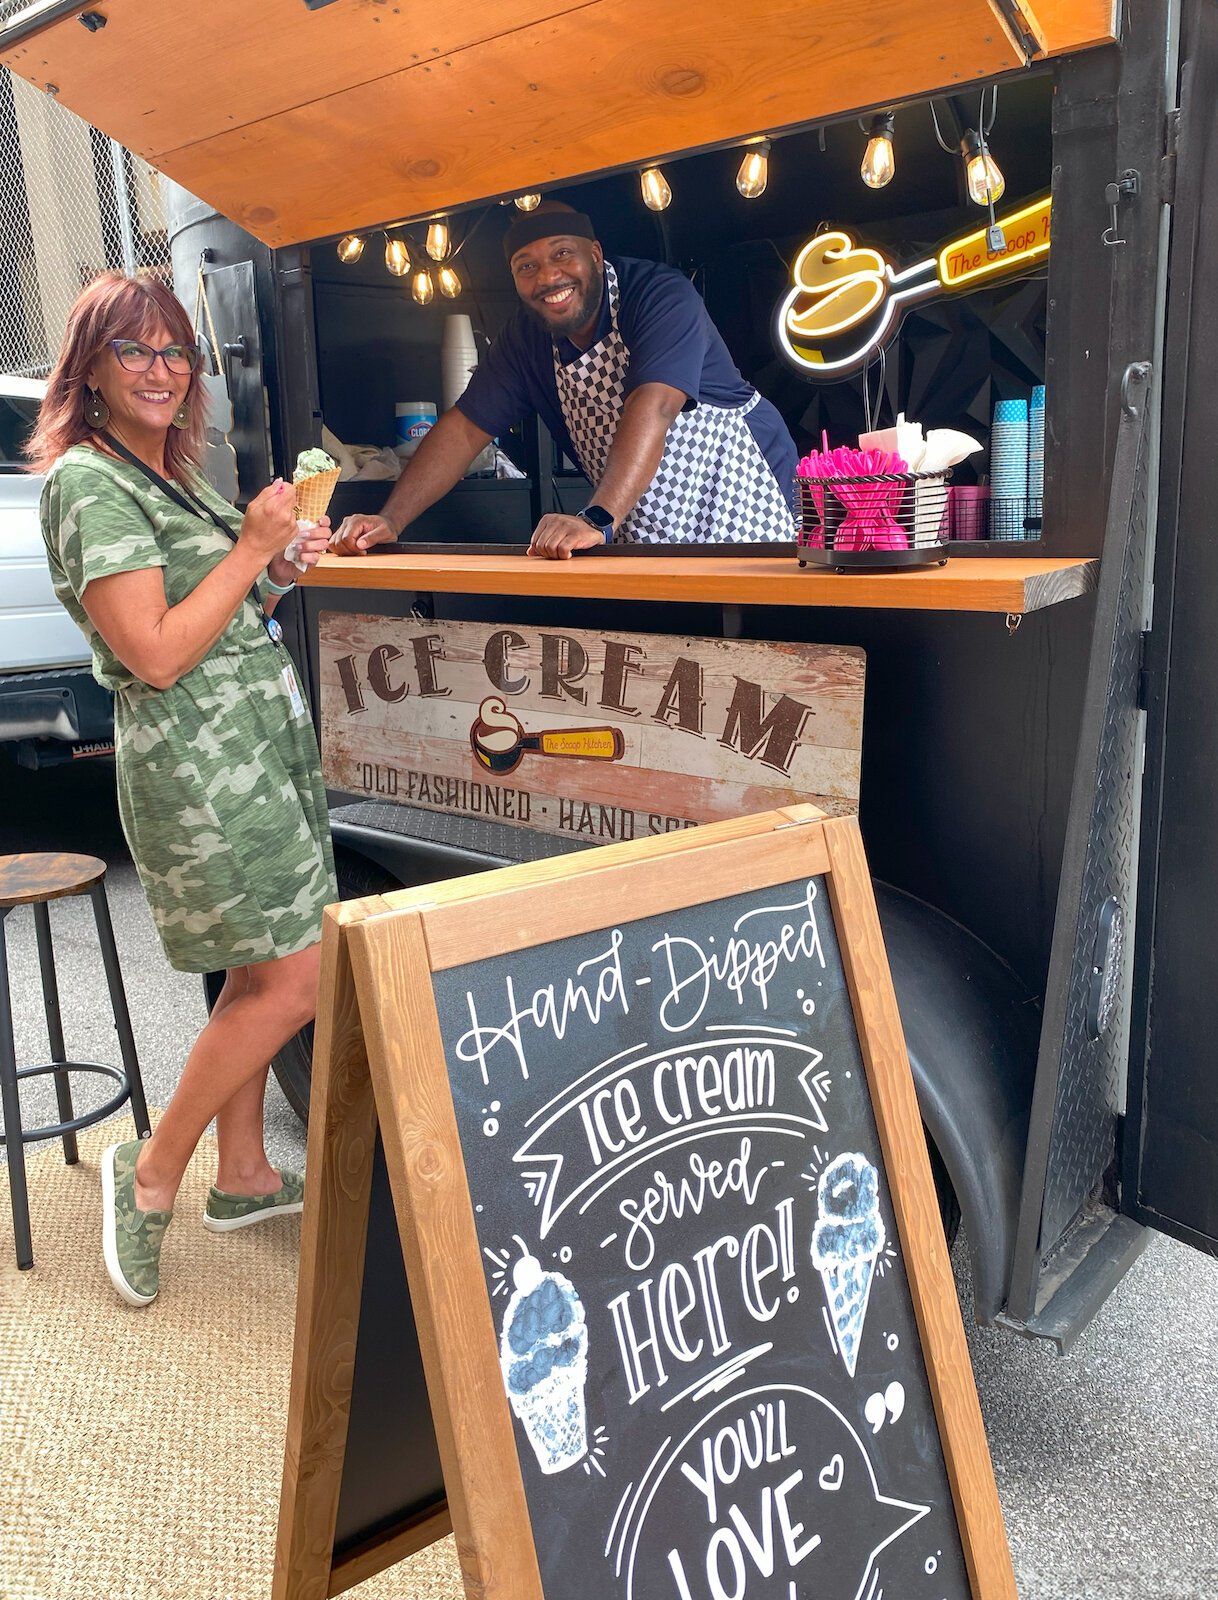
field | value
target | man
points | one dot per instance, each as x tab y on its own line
629	374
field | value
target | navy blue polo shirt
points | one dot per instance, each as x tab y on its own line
671	340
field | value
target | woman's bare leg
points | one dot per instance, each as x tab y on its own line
231	1052
242	1166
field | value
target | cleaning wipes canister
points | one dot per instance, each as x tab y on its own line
412	419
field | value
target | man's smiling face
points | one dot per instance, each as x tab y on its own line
561	280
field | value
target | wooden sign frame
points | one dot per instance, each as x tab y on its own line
379	1054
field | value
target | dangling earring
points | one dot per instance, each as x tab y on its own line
97	412
181	417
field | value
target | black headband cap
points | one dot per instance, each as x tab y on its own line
534	225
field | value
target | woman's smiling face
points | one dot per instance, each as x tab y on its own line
140	402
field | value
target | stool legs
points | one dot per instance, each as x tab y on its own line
50	1004
118	1004
11	1105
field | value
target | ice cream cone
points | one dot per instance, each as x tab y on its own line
544	1352
847	1289
555	1417
313	494
846	1243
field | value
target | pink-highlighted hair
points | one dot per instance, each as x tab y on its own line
114	306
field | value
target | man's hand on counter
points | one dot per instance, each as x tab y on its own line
356	535
556	536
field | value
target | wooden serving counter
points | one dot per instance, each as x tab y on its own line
1011	586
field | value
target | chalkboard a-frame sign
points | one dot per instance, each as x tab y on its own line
672	1241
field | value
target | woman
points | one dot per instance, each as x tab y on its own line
218	776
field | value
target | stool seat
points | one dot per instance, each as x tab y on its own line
27	880
34	880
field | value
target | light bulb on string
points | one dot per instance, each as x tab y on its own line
879	161
754	171
422	288
450	283
527	202
657	196
350	248
397	256
982	175
437	240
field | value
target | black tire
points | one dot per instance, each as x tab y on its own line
949	1206
293	1066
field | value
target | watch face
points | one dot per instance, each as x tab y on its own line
598	517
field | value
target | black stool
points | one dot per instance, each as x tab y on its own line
33	880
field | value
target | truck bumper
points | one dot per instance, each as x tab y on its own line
67	707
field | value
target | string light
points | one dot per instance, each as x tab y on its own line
982	175
983	178
350	248
527	202
397	256
657	196
754	171
450	283
879	162
437	240
422	288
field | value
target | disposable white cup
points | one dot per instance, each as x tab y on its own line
458	357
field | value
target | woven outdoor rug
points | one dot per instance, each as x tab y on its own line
141	1451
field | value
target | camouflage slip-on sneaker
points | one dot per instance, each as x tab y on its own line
131	1238
224	1212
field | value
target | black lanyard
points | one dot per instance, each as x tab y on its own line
195	508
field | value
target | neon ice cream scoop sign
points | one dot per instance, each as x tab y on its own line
848	300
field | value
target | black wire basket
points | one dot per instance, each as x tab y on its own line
875	522
1015	517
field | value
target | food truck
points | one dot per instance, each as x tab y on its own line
1022	720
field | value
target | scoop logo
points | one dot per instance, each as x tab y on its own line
837	283
847	300
499	741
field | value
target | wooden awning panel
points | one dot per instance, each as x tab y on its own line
300	124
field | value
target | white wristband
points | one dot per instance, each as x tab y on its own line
278	588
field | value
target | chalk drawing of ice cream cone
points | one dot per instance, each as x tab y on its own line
500	742
846	1242
544	1354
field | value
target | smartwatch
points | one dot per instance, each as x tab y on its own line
600	519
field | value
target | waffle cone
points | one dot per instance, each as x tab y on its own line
313	494
847	1289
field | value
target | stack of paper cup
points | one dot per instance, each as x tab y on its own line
1036	450
458	357
1009	469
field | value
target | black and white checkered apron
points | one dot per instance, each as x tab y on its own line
713	485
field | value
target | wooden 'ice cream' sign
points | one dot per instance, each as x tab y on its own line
673	1243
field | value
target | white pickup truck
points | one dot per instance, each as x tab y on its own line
51	709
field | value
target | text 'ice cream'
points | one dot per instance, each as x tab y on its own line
544	1354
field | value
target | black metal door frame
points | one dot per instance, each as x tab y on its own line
1188	494
1072	1244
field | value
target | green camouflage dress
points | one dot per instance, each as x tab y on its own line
219	783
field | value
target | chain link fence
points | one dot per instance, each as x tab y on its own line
72	204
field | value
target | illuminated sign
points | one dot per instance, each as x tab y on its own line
848	300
